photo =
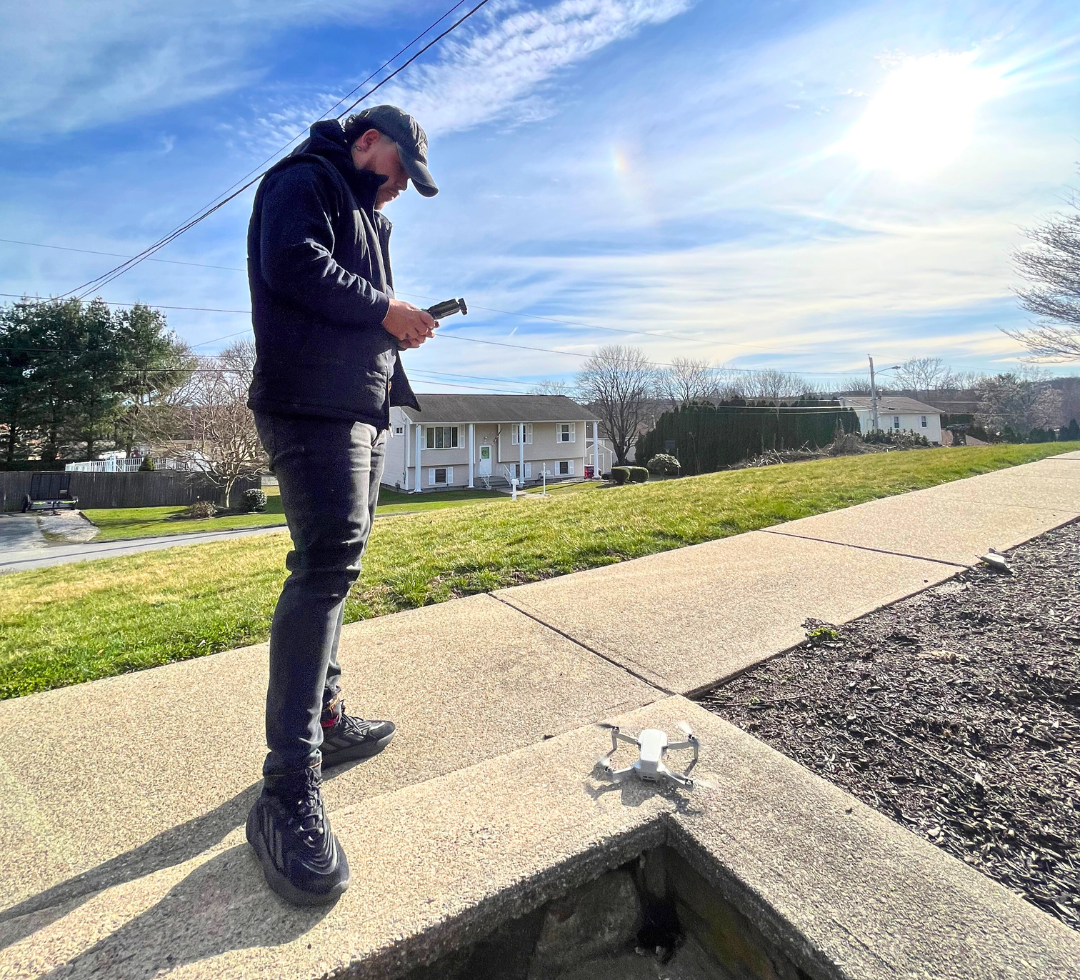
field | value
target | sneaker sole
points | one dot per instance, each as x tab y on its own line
365	750
277	881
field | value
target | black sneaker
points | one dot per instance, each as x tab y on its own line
301	858
347	738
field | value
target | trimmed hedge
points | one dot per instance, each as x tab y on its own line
631	474
710	437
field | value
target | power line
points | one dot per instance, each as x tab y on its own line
471	340
120	255
486	309
115	273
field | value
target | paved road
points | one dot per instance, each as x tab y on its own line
16	558
20	532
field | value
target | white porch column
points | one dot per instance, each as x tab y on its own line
521	453
472	451
596	449
419	433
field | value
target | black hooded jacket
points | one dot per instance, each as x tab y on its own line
319	271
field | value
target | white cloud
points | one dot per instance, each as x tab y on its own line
70	64
492	70
498	72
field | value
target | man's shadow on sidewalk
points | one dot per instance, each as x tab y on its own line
221	906
169	848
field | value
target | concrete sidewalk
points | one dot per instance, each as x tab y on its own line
122	803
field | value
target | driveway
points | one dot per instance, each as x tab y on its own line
20	532
19	550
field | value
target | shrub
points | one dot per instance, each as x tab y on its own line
846	443
901	438
664	465
147	465
638	474
199	509
254	500
620	474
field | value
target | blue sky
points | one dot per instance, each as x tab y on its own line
781	184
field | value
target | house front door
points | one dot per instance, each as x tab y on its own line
485	461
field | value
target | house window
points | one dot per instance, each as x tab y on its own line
565	432
517	471
515	434
398	430
442	437
923	421
565	467
896	421
440	476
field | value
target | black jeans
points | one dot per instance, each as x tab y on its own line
329	475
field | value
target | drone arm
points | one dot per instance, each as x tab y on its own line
617	736
685	781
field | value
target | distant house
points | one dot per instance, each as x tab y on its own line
488	440
899	414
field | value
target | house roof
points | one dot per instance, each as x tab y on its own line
498	408
889	403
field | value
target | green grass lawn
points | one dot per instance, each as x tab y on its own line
120	523
72	623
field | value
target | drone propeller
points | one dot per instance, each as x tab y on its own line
705	782
602	763
607	726
685	728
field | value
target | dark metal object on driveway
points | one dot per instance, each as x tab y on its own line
50	491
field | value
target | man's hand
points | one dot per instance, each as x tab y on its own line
408	324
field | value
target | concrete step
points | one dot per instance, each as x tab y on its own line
837	889
109	780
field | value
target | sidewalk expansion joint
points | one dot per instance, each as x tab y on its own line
585	646
863	547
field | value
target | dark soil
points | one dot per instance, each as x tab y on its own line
956	713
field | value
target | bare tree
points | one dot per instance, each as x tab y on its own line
552	388
966	380
617	382
1021	401
1051	267
685	380
856	385
770	383
923	375
223	443
728	383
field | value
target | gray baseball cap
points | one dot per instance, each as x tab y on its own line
399	126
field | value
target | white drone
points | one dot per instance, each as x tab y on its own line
652	746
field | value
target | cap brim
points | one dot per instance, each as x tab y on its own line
418	174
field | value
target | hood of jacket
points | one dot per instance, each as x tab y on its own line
326	139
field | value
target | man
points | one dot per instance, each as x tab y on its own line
327	334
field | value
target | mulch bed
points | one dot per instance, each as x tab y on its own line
956	713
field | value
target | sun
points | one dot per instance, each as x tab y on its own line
923	116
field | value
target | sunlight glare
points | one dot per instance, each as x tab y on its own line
923	116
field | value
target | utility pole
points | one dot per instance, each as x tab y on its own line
873	395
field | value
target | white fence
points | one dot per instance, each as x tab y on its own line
127	465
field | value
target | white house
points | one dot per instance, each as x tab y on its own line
896	413
488	440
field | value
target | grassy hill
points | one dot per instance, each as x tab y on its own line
72	623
